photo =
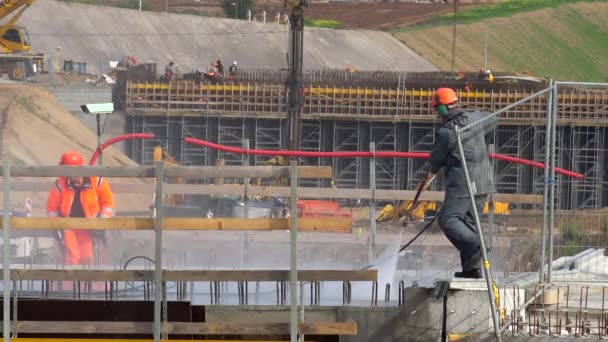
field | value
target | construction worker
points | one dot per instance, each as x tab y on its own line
232	71
86	197
169	73
456	214
220	68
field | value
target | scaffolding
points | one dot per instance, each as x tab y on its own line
396	119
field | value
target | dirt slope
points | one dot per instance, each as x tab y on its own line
36	130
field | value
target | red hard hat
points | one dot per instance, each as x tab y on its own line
72	158
444	96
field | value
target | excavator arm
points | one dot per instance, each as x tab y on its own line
9	6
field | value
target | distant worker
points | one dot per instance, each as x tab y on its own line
232	71
467	86
489	76
220	68
482	74
85	197
456	214
169	72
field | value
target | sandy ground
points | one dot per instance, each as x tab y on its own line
36	130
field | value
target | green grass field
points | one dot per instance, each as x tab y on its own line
500	10
567	42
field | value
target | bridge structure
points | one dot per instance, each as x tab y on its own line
390	113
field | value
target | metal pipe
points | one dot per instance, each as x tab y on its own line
552	182
509	107
486	263
591	84
6	221
372	205
294	250
543	233
158	225
491	204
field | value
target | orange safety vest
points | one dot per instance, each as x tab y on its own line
96	198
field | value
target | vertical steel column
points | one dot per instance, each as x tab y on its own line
6	221
244	244
552	178
158	226
293	175
294	80
491	205
486	263
543	232
372	205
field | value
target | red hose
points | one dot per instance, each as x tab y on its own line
284	153
118	139
534	164
347	154
355	154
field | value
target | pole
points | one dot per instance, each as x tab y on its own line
491	205
294	80
236	13
543	232
294	250
158	225
454	35
244	240
486	263
372	205
100	161
552	181
140	5
6	221
485	53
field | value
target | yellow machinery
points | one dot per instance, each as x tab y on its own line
15	59
160	154
404	209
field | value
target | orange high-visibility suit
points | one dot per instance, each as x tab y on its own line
95	200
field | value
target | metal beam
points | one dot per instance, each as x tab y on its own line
192	275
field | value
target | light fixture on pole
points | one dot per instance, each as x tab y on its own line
98	109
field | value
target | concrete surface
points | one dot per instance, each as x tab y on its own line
96	35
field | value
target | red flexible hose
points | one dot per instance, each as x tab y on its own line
355	154
347	154
118	139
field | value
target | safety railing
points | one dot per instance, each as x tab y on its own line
158	277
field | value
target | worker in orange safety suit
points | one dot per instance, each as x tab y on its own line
95	199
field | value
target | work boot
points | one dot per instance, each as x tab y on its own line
471	274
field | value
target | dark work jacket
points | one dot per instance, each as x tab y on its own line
445	153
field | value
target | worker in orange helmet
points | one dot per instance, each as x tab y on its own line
86	197
456	214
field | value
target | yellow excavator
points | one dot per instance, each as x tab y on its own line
15	57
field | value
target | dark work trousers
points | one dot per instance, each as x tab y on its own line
458	224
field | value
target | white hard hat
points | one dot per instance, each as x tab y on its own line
234	62
488	71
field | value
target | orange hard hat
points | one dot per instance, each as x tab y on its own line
444	96
72	158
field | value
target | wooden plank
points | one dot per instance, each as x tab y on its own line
185	328
192	275
329	224
267	191
176	171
